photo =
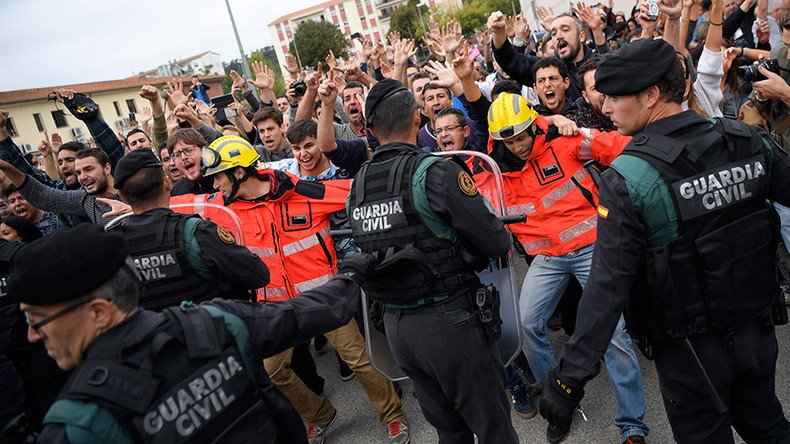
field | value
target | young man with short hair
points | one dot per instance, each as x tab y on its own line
93	170
45	221
269	123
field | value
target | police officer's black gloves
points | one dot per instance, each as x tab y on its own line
82	107
557	399
356	266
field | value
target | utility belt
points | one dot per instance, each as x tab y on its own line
766	323
483	302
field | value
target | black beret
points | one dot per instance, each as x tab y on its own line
134	162
380	92
634	68
66	265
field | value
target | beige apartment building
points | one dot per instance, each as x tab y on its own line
31	112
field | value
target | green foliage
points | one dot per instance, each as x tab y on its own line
406	20
474	15
314	40
265	55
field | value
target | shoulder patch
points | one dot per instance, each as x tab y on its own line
466	184
225	236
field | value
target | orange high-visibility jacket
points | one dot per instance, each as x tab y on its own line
559	218
289	230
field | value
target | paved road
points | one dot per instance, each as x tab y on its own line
357	421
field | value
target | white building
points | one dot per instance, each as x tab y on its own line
367	17
206	63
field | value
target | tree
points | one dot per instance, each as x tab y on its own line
261	55
474	15
406	20
314	40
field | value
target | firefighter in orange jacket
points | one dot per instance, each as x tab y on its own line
286	222
554	190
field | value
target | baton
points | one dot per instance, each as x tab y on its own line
507	220
712	393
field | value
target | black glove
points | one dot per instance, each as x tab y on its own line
356	265
82	107
557	399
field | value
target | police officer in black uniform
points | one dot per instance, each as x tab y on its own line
29	379
184	375
429	228
686	246
179	256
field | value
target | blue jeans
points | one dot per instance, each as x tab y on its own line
544	284
784	217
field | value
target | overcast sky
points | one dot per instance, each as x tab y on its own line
59	42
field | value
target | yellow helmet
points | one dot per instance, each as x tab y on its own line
227	152
509	115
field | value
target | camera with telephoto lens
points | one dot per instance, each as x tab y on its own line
299	88
751	74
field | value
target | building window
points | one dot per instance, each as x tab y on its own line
117	109
130	105
362	19
59	118
342	10
39	122
345	23
9	126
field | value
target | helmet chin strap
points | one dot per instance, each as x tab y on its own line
236	182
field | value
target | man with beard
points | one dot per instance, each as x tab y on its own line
137	139
271	132
184	147
66	157
353	109
93	173
587	110
567	36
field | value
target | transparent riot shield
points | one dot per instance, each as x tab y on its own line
219	214
499	273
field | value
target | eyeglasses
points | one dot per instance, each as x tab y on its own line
47	319
439	131
185	152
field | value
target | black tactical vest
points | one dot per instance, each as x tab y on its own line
721	271
183	379
413	264
158	251
12	322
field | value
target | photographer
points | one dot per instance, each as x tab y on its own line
772	96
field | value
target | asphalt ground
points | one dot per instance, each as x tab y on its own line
357	422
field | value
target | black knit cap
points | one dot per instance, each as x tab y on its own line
379	93
66	265
634	68
134	162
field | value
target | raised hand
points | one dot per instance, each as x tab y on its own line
313	80
238	81
510	29
434	32
45	147
328	89
149	92
264	77
367	49
497	23
521	27
116	207
404	50
330	59
672	8
452	36
589	16
462	65
546	16
444	76
57	141
185	112
393	37
435	48
175	94
145	115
